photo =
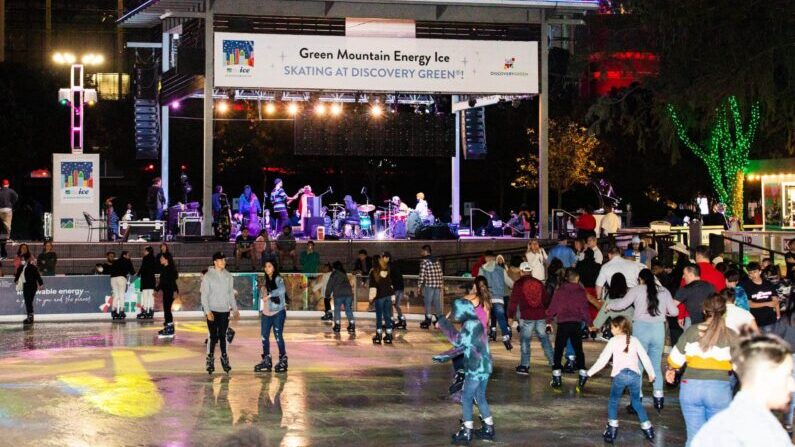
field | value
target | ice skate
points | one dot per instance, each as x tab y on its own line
659	404
377	337
225	363
281	367
569	367
493	334
648	433
556	379
522	370
114	315
401	323
266	365
581	381
166	332
327	316
351	328
485	432
143	315
28	321
506	340
230	335
610	434
210	364
388	337
463	436
426	323
336	328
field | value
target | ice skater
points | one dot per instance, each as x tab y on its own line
480	297
570	307
339	286
398	286
28	281
471	342
431	285
381	292
120	271
625	351
147	275
218	300
273	312
168	286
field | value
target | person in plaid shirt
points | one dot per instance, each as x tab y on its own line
431	283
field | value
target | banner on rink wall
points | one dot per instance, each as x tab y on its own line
280	61
60	295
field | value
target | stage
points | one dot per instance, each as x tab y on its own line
118	385
76	258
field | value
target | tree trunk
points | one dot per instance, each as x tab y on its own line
560	198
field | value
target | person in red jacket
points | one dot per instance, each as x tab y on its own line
570	307
585	224
530	297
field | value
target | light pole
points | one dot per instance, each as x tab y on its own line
76	96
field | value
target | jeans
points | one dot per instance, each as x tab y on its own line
275	322
498	317
528	327
346	301
626	379
702	399
217	329
168	300
433	300
791	412
383	313
474	392
569	332
652	337
398	299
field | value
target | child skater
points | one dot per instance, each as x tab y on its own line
625	350
471	342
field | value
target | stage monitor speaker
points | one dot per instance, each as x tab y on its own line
436	232
192	228
311	224
314	206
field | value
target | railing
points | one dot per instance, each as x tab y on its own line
558	216
743	248
472	227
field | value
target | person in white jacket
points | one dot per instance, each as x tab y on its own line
536	256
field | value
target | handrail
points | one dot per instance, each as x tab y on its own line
472	221
555	211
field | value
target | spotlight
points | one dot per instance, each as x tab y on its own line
64	102
336	109
270	108
376	110
292	109
320	109
175	105
91	103
223	107
58	58
69	58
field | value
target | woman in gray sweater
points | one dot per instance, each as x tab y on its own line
340	287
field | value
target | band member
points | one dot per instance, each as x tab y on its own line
250	208
156	200
217	200
422	207
397	206
279	201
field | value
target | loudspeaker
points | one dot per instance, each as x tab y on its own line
192	227
311	224
314	205
436	232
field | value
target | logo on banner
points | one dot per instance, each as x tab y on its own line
239	57
509	63
77	181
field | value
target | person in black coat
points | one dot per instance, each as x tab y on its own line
397	284
168	285
120	270
29	275
149	267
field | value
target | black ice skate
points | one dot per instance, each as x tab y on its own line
266	365
28	321
336	328
225	363
493	334
281	367
648	433
166	332
151	314
569	367
556	379
485	432
377	338
388	337
522	370
610	434
401	323
463	436
210	364
506	340
327	316
122	316
114	315
426	323
659	404
143	315
581	381
351	328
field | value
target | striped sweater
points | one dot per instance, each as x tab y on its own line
714	364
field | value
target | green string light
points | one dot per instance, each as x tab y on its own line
726	151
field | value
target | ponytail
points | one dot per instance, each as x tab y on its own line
652	300
626	327
714	311
626	348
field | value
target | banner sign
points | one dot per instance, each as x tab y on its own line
61	295
289	62
75	190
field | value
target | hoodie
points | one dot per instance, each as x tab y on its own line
498	279
569	305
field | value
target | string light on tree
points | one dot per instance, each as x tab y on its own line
726	150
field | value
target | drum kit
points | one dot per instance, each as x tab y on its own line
341	223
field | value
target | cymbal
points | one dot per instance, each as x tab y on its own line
366	208
336	204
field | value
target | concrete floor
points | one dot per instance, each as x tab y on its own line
105	384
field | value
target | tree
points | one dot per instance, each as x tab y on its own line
725	151
574	157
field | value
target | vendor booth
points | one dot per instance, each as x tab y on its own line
777	182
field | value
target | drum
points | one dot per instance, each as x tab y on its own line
364	222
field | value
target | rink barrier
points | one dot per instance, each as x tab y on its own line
88	297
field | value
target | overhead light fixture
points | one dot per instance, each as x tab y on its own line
320	109
292	109
336	109
270	108
223	107
376	110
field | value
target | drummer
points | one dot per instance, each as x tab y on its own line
397	206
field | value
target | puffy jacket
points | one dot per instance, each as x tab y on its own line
569	305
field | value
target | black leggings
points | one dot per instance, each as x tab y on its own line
29	293
168	301
218	329
571	331
327	304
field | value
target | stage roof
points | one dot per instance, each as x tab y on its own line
149	13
